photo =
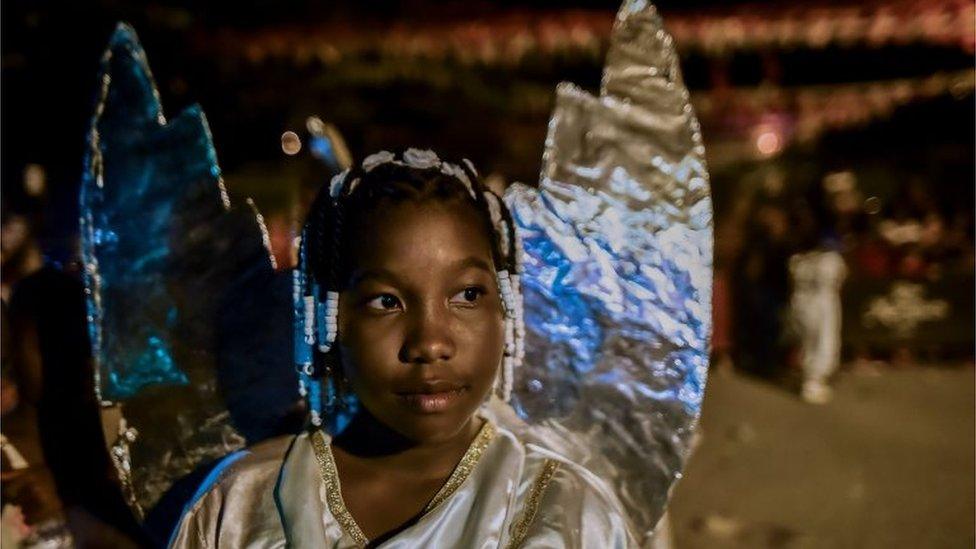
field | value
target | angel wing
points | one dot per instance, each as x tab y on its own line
618	262
188	320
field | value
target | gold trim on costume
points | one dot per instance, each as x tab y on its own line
464	467
521	528
333	490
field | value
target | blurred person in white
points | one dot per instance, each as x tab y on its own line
817	273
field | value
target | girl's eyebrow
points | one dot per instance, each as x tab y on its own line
473	262
379	272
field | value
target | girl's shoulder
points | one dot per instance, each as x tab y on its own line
559	498
246	469
236	500
566	478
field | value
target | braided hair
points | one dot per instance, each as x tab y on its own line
324	266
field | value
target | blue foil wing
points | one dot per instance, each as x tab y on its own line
618	265
189	320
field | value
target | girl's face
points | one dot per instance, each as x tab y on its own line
420	323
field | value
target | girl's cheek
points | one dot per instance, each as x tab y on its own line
371	349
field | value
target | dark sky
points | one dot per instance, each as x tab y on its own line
51	50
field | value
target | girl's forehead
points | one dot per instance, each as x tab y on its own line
429	232
427	215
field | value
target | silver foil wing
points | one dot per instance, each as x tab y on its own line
189	322
617	274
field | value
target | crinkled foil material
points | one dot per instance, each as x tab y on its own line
179	286
618	273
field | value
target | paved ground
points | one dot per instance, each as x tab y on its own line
888	463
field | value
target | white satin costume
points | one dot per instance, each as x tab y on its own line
503	493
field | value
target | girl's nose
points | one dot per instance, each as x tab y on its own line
429	338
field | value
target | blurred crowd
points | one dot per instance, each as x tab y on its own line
58	484
911	235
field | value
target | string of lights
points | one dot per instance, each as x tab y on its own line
510	38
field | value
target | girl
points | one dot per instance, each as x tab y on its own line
412	281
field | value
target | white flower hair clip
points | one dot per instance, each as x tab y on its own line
377	159
455	171
421	160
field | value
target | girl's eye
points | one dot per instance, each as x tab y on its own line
468	296
385	302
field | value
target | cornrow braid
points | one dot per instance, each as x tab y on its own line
481	200
509	230
481	197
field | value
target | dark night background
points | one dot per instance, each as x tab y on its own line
51	52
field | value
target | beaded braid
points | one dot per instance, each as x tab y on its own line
319	317
318	320
508	283
516	255
331	309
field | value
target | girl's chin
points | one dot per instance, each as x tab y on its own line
427	428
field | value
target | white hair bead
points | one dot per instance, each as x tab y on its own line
508	367
309	303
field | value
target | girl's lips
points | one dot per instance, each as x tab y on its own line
432	402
